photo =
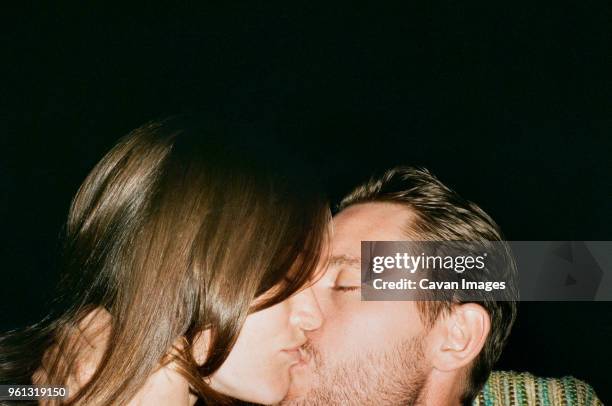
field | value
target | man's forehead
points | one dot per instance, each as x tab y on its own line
372	221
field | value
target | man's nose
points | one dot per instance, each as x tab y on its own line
305	311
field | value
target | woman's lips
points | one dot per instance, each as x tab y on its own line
294	355
298	356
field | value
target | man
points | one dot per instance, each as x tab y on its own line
401	352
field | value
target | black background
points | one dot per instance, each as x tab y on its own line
510	104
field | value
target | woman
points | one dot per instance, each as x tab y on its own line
187	266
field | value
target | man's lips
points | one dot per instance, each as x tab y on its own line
298	355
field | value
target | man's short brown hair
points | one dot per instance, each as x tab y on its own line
440	214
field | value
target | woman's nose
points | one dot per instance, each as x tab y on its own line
305	311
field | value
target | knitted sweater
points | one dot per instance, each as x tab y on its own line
514	388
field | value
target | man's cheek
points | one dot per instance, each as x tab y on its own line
351	331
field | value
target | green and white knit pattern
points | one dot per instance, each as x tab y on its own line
514	388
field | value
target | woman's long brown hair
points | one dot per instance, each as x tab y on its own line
172	234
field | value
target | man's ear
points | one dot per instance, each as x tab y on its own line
458	337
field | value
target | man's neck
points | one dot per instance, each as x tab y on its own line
441	389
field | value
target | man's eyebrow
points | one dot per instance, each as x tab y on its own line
337	260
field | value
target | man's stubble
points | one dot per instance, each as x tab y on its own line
393	377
